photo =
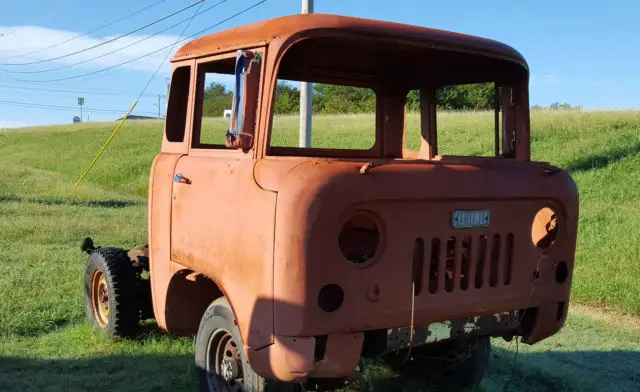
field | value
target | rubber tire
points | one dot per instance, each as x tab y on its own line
220	316
124	312
467	374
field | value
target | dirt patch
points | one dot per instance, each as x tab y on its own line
605	315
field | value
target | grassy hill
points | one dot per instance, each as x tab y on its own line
45	342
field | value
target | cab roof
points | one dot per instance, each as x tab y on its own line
287	26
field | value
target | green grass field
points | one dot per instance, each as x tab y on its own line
45	343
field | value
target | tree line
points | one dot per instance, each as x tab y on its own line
335	99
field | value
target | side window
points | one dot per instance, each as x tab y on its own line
343	117
214	99
465	120
177	105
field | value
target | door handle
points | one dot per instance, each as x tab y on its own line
181	179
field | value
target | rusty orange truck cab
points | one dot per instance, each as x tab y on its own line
291	263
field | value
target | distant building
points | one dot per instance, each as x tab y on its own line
134	117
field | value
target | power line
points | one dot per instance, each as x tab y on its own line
109	40
167	55
68	108
92	30
144	55
93	92
115	50
104	146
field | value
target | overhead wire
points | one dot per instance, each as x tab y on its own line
144	55
170	50
68	108
109	40
113	134
92	92
92	30
115	50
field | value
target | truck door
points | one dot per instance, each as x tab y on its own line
221	220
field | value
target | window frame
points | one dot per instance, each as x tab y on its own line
327	77
323	152
179	146
504	140
199	74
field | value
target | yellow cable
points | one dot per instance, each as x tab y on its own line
106	144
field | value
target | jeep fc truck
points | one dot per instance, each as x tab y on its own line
291	261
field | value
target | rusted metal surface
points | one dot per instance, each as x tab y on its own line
262	226
283	28
100	298
488	325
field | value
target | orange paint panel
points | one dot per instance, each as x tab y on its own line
262	227
222	226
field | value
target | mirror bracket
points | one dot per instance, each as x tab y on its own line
242	124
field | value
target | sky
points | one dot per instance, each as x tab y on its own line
581	52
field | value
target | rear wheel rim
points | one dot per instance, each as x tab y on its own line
100	298
224	363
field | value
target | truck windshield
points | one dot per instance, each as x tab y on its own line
342	117
378	98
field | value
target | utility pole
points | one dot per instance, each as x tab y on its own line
80	103
306	96
160	96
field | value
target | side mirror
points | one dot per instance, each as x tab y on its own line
245	100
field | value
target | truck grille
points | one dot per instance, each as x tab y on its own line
467	262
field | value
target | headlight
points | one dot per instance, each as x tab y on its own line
359	238
544	228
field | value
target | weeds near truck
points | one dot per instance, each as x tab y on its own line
45	344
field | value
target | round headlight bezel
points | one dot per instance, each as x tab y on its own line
360	219
545	227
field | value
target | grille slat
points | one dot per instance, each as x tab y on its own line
508	255
494	268
442	265
480	261
464	262
434	254
467	266
486	274
457	264
450	269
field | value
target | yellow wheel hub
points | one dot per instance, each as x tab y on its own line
100	298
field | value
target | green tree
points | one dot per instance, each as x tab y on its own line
331	98
287	99
459	97
216	100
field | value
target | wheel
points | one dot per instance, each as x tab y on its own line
452	364
221	364
110	289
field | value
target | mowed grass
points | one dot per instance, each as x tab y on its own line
45	344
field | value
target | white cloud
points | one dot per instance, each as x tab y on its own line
19	40
546	80
11	124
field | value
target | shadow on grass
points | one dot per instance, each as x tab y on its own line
78	203
564	371
109	373
533	372
35	329
604	159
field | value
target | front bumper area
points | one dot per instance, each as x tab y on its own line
294	359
